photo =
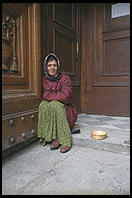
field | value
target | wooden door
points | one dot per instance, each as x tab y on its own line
21	81
60	27
105	59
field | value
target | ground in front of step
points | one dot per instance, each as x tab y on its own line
36	170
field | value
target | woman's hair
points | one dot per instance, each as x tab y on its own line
51	58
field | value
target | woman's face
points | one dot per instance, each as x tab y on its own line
52	67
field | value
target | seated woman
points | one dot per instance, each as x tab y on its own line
57	113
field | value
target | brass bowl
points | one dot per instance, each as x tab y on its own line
98	134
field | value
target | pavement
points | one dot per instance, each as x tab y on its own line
117	128
91	167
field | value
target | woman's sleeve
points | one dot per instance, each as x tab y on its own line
63	95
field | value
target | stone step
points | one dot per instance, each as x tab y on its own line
117	141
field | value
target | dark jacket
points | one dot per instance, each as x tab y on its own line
61	90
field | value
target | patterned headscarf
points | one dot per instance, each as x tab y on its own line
58	73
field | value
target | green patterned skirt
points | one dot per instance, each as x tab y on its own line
53	124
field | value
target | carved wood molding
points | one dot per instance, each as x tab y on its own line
24	50
15	115
60	22
9	61
106	45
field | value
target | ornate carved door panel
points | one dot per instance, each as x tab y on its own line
21	81
105	60
60	34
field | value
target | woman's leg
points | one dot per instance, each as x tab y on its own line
43	120
53	124
59	126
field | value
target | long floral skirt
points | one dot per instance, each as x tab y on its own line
53	124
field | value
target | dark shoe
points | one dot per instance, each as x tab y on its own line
42	141
54	145
64	149
75	129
